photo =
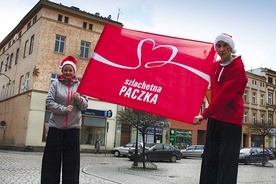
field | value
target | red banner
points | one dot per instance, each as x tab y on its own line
158	74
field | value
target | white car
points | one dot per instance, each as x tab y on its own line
123	150
193	151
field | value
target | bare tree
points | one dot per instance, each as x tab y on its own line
262	129
141	121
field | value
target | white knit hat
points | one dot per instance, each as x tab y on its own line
227	39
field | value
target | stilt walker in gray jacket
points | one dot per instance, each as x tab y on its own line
62	149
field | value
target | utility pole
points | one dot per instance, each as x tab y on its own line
119	11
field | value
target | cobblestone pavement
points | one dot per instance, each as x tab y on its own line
24	168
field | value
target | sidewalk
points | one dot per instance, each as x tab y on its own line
25	167
184	171
166	172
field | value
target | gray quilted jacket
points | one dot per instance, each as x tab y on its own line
60	95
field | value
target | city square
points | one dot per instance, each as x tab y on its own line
70	70
25	167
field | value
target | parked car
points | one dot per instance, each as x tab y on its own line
193	151
123	150
269	153
273	150
255	155
157	152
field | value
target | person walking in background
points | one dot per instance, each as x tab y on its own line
62	149
97	146
225	115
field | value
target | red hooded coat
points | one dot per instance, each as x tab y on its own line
228	82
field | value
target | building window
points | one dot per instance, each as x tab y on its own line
245	96
269	99
84	25
85	47
254	118
14	39
29	25
93	129
254	101
60	44
202	108
262	84
245	117
154	135
60	18
180	138
7	91
262	99
90	26
21	83
31	45
12	88
34	19
25	48
270	80
270	118
16	56
7	64
11	58
2	63
25	84
66	19
27	80
262	118
3	92
54	77
254	82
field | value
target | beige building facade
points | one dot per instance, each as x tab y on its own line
30	56
259	100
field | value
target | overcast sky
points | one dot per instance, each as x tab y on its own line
252	23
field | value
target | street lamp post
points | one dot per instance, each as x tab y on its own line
136	147
6	76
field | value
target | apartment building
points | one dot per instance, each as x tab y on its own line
30	55
260	104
